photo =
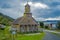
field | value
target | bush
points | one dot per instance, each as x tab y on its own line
2	28
41	24
46	27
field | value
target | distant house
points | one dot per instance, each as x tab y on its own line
52	24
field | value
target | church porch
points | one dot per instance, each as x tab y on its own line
28	28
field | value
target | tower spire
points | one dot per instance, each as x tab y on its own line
27	7
27	1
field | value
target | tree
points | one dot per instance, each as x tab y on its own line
41	24
58	25
46	27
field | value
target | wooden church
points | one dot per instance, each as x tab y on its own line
26	23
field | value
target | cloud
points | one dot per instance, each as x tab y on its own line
57	18
44	19
40	19
12	8
41	9
38	5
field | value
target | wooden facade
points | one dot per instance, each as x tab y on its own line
26	23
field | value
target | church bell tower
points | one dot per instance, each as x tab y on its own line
27	10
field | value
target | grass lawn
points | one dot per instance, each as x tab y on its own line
31	37
5	34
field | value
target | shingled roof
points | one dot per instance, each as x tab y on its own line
25	21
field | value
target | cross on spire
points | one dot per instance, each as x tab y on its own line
27	1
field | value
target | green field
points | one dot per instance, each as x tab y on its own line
31	37
6	35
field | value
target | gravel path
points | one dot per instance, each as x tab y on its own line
50	36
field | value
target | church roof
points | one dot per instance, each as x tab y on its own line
25	21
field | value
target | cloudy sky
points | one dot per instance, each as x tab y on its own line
41	9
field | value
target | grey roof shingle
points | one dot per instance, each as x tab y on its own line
25	21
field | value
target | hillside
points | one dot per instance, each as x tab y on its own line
6	20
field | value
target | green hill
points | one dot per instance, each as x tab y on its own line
6	20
